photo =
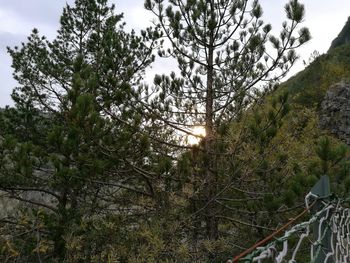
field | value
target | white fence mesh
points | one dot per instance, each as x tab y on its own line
325	238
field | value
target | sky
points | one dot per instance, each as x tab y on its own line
324	18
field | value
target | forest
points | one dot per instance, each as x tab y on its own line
97	165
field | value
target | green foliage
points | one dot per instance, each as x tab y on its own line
203	39
271	172
96	161
309	87
332	161
71	147
223	50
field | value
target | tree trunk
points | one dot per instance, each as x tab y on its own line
209	160
59	230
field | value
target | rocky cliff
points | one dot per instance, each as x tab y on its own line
335	111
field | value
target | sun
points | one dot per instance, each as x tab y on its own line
199	131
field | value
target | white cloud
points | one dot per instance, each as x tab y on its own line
9	21
135	16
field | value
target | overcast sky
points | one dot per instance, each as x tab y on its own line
324	18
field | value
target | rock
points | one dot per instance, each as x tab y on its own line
335	111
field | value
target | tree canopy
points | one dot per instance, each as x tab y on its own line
95	162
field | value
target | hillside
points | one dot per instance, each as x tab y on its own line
288	152
308	87
313	139
318	118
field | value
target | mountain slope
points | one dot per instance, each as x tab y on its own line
285	156
343	37
309	87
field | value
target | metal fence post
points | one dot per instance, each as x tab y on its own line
320	250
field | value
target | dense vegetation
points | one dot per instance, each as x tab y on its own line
94	163
308	87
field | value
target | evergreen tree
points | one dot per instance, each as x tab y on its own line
228	58
71	146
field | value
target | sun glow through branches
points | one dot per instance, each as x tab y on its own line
199	131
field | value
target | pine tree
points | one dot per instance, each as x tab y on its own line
70	147
228	58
